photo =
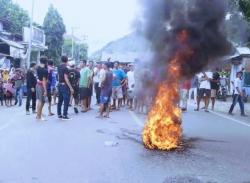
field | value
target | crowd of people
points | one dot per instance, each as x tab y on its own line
11	83
205	87
114	85
74	85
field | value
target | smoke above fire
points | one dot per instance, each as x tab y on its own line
203	22
184	37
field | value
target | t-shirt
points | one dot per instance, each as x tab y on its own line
9	87
186	85
18	79
84	78
96	75
131	80
195	82
205	84
102	76
42	73
5	76
51	78
31	79
106	88
118	76
62	70
74	77
215	81
238	84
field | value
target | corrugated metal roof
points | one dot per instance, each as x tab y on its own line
12	43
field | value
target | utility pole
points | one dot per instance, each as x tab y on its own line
72	41
31	34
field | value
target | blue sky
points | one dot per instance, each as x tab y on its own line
100	20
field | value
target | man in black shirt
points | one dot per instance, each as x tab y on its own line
31	85
41	87
215	84
74	77
65	90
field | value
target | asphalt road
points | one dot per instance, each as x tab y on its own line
90	150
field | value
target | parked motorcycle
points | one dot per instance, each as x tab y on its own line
223	91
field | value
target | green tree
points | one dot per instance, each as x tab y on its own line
245	8
80	49
15	15
54	30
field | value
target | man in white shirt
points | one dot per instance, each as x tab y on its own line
131	86
204	91
97	81
238	95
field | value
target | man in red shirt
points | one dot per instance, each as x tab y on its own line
185	87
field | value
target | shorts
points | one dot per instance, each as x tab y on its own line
84	93
131	94
117	93
202	92
105	100
213	93
76	92
124	91
40	93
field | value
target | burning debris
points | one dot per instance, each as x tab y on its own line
185	36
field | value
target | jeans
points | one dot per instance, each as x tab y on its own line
64	97
237	98
31	96
98	93
1	98
19	96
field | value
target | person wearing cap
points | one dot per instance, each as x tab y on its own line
238	95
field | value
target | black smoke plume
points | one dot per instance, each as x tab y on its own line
203	21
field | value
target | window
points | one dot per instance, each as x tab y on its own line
247	79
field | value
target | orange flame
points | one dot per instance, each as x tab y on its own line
163	129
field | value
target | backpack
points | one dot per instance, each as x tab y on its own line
72	77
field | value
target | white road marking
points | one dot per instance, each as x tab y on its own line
226	117
229	118
141	124
138	121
